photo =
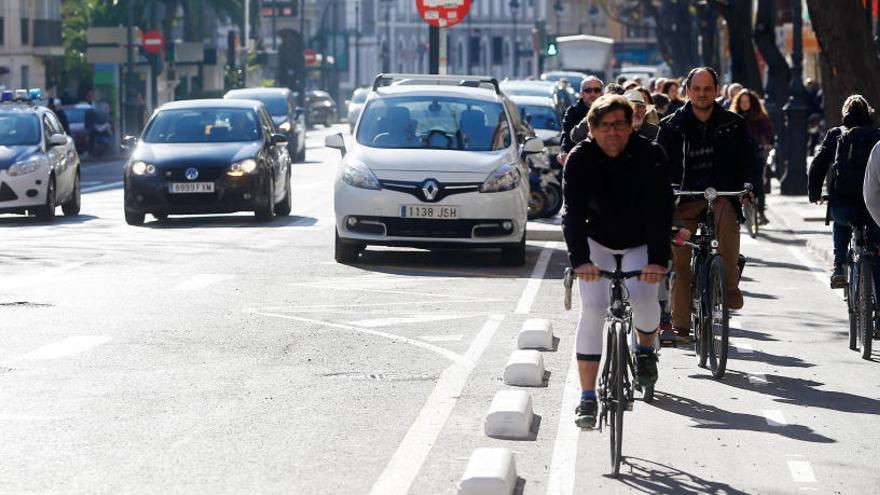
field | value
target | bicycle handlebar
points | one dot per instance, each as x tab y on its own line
570	276
711	193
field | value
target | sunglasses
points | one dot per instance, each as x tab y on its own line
591	90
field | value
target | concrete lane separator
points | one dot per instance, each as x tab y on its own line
102	187
525	369
510	415
536	333
774	417
524	306
490	471
800	469
70	346
758	379
407	461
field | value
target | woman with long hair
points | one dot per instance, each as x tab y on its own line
670	89
759	127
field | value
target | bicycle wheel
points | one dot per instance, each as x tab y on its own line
718	318
698	313
851	291
865	306
618	396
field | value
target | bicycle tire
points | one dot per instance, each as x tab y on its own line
697	313
718	318
850	290
865	306
618	397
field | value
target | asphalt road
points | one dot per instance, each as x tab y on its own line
215	354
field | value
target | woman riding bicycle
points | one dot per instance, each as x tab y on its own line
617	201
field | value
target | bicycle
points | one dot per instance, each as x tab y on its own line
616	392
750	212
860	292
710	316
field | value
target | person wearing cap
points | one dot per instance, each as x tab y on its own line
640	109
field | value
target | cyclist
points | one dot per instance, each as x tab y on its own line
591	89
707	147
845	150
614	188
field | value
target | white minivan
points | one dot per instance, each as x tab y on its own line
434	161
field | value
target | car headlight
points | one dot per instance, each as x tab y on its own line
143	168
25	167
504	178
284	127
360	176
243	167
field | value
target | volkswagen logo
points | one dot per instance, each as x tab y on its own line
192	173
430	189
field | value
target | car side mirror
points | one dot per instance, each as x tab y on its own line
57	140
532	146
279	138
129	143
336	142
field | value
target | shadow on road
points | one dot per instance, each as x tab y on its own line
775	264
29	221
653	477
225	221
773	359
715	418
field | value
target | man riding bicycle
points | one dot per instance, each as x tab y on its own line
617	201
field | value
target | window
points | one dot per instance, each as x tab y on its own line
203	125
25	76
497	50
25	31
473	52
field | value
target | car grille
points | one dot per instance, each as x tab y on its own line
206	173
443	190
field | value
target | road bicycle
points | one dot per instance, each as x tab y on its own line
861	296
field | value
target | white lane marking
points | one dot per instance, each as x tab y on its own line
774	417
455	298
801	471
102	187
67	347
457	358
528	297
200	281
403	320
745	349
399	473
562	464
442	338
758	379
817	272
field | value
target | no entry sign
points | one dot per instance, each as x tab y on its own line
311	56
443	13
153	42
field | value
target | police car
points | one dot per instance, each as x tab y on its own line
39	166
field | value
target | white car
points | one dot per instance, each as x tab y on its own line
435	161
39	166
541	113
356	105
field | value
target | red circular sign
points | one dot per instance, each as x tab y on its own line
153	42
443	13
311	56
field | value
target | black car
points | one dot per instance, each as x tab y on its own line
322	108
207	156
288	117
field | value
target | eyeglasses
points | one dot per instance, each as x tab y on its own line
591	90
618	125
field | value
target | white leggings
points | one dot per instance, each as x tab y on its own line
596	296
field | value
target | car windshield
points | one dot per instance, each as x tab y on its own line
540	117
203	125
275	104
19	129
425	122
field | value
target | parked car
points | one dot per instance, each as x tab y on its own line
545	89
287	116
207	156
355	105
321	108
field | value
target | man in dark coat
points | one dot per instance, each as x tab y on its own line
591	89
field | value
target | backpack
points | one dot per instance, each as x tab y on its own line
851	160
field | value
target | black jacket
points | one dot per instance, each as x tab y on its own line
622	202
573	116
821	163
734	158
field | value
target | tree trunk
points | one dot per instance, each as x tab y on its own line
676	34
778	71
743	62
848	58
709	35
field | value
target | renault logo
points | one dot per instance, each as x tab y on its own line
192	173
430	189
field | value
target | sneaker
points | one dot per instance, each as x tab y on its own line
667	337
586	414
735	299
838	276
646	368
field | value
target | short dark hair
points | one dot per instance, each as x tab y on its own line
857	111
613	89
660	99
621	80
695	71
606	104
668	85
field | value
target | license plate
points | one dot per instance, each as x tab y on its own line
191	187
433	211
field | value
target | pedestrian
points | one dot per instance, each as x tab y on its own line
707	147
55	106
640	110
661	104
748	105
651	116
815	98
733	90
613	89
591	89
630	86
845	150
670	89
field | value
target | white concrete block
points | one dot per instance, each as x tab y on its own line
510	415
536	334
490	471
525	369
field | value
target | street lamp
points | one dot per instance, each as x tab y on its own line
514	7
794	182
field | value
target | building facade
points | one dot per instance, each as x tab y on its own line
30	43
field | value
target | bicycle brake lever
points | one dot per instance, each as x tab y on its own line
568	282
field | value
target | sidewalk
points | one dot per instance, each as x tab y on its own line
806	221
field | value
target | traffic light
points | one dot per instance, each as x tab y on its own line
552	48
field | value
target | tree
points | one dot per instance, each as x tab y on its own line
848	58
743	62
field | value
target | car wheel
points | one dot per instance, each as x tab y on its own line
283	208
72	206
265	212
134	217
47	211
515	256
346	253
